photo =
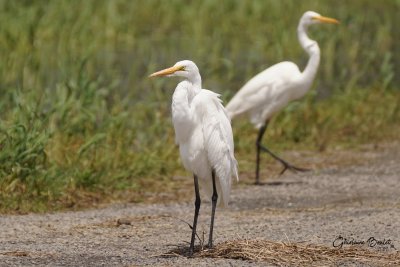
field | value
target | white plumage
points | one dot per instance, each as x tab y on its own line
268	92
271	90
204	135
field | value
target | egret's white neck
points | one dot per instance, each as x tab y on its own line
312	49
195	80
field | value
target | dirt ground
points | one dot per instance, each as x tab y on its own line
355	202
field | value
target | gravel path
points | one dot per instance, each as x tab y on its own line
317	207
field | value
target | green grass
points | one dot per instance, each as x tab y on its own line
80	122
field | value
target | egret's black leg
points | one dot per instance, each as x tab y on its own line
196	214
260	147
286	165
214	199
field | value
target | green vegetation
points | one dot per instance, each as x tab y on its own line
80	123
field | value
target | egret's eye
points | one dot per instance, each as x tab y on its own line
182	68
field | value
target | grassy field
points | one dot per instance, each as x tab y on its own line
80	122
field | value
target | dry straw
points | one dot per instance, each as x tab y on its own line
294	254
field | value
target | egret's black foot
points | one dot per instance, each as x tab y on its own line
287	166
191	251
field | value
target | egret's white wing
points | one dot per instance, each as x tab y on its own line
262	90
218	140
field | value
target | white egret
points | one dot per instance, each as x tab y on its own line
204	135
271	90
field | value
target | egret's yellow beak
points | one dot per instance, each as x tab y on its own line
167	71
326	20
